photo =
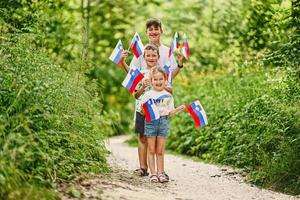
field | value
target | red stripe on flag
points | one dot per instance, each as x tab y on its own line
146	112
135	82
135	52
195	117
120	63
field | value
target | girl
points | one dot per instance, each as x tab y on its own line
150	57
157	130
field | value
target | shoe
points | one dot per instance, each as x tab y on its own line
153	178
166	175
163	178
141	172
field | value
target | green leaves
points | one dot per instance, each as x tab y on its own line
252	122
51	126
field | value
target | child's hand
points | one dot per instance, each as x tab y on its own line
177	110
146	82
181	108
124	55
180	58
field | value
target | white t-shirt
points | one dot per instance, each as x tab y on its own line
162	99
145	72
163	59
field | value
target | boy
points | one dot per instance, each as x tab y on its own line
153	31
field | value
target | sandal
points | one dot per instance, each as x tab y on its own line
153	178
163	178
141	172
166	175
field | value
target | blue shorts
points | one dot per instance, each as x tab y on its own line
159	127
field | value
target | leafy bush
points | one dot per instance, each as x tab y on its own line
51	126
253	123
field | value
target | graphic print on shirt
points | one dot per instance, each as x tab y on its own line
163	101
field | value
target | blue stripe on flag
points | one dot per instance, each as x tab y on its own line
132	78
167	69
118	57
150	109
138	48
198	113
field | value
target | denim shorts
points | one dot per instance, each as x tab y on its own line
159	127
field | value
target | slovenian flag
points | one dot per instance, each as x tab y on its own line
174	44
117	53
133	77
150	110
185	47
198	114
167	68
137	46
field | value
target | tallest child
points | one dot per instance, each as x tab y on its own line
153	31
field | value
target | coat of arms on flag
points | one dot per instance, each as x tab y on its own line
150	110
133	77
167	68
137	46
198	114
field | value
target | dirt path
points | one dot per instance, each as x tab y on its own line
189	180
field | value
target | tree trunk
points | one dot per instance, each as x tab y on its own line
296	14
85	12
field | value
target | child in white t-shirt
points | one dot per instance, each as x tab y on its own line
154	31
157	130
151	56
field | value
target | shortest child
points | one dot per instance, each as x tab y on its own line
156	131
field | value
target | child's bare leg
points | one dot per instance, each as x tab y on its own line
142	151
160	151
151	153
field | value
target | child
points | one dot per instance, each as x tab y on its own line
157	130
144	63
151	56
154	31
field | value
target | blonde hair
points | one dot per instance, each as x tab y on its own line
155	70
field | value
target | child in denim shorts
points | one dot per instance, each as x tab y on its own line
156	131
144	63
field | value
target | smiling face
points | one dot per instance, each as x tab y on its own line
154	32
151	57
158	81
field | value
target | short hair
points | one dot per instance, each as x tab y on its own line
152	47
154	70
153	22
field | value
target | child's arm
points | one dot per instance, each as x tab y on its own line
180	65
142	110
170	90
177	110
139	92
123	58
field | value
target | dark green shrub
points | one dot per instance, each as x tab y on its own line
51	126
253	116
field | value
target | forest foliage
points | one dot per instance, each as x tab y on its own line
61	95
